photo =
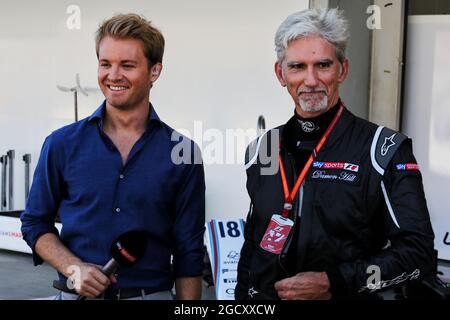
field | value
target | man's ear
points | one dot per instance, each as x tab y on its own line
155	71
344	71
279	73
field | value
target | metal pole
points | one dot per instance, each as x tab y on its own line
76	104
261	125
27	159
3	160
11	155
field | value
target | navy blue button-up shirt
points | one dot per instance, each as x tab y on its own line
81	176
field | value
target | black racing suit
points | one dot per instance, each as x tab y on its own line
366	225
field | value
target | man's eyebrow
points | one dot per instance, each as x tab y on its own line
328	61
294	63
122	61
299	63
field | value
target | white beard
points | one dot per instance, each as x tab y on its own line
313	105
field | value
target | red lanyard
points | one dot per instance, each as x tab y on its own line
289	197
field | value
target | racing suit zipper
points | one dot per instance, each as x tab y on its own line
294	210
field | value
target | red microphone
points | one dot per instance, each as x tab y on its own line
126	250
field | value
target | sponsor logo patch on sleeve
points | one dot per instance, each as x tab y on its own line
407	167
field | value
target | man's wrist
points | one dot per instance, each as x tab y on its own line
325	281
69	266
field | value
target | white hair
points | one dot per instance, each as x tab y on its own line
329	24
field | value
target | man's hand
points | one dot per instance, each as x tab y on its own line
90	280
304	286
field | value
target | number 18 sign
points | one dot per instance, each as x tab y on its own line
224	240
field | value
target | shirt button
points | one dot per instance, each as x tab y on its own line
121	176
117	209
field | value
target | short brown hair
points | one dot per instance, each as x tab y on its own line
136	27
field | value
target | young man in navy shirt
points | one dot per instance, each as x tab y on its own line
116	171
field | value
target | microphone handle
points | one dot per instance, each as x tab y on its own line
111	267
108	269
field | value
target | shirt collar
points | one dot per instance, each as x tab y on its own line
99	114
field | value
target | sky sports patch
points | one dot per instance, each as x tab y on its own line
336	166
406	167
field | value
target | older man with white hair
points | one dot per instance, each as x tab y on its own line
344	215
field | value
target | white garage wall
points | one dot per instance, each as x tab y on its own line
427	115
218	68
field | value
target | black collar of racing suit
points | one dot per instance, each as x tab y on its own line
300	135
341	127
